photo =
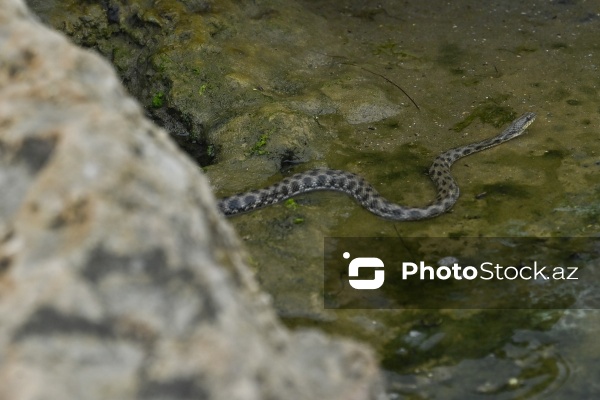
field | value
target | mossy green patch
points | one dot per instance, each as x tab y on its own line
291	204
210	150
162	63
490	112
158	99
388	47
259	147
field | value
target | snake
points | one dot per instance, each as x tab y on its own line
364	193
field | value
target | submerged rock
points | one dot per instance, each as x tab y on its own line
118	277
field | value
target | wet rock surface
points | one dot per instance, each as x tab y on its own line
118	278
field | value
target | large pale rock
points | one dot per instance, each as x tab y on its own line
118	278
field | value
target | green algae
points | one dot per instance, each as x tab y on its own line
291	204
490	112
202	89
158	100
258	148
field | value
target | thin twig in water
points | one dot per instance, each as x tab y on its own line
393	83
375	73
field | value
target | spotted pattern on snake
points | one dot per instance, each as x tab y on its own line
364	193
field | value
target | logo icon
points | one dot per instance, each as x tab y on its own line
365	262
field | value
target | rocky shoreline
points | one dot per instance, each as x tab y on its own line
118	277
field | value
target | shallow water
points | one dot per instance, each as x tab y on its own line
461	62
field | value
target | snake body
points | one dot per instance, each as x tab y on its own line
365	194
